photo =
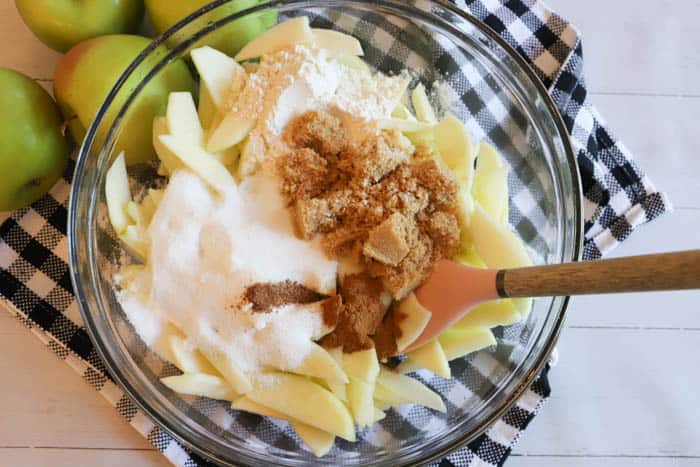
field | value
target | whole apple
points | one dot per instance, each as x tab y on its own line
61	24
33	150
229	39
86	74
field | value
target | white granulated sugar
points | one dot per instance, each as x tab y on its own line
205	251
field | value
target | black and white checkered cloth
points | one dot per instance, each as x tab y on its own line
35	283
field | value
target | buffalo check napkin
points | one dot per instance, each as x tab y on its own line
618	197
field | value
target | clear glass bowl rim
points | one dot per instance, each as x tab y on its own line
87	143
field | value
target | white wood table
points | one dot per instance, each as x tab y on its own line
626	389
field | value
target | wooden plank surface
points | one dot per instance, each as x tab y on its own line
625	388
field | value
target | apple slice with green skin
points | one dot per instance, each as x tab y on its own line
306	401
362	365
361	402
285	34
397	389
337	43
62	24
490	188
414	318
189	360
421	104
430	356
320	364
495	243
487	315
456	149
200	384
117	194
217	72
231	373
459	342
319	441
338	389
199	161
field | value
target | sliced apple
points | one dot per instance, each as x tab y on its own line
319	441
200	384
378	415
495	243
338	389
234	376
199	161
285	34
206	109
117	194
456	149
523	305
362	365
189	360
251	152
306	401
217	72
182	117
403	125
414	318
169	162
402	112
459	342
421	105
360	400
490	186
320	364
135	240
232	130
149	205
337	43
397	389
490	314
430	356
354	62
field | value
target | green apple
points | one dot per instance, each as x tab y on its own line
33	151
229	39
86	74
61	24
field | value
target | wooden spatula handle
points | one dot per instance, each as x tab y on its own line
666	271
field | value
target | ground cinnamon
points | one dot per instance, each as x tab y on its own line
264	296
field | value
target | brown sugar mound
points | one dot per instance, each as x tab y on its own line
359	313
268	295
380	200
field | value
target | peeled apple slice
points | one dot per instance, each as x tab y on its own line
285	34
490	188
189	361
421	104
360	400
456	149
352	61
199	161
135	240
495	243
430	356
200	384
117	193
306	401
217	72
362	365
319	441
414	318
397	389
320	363
206	108
459	342
337	43
339	390
232	130
235	377
182	117
487	315
169	161
402	112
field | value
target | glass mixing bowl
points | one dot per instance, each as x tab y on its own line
500	99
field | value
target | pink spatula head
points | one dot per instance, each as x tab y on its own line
453	289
